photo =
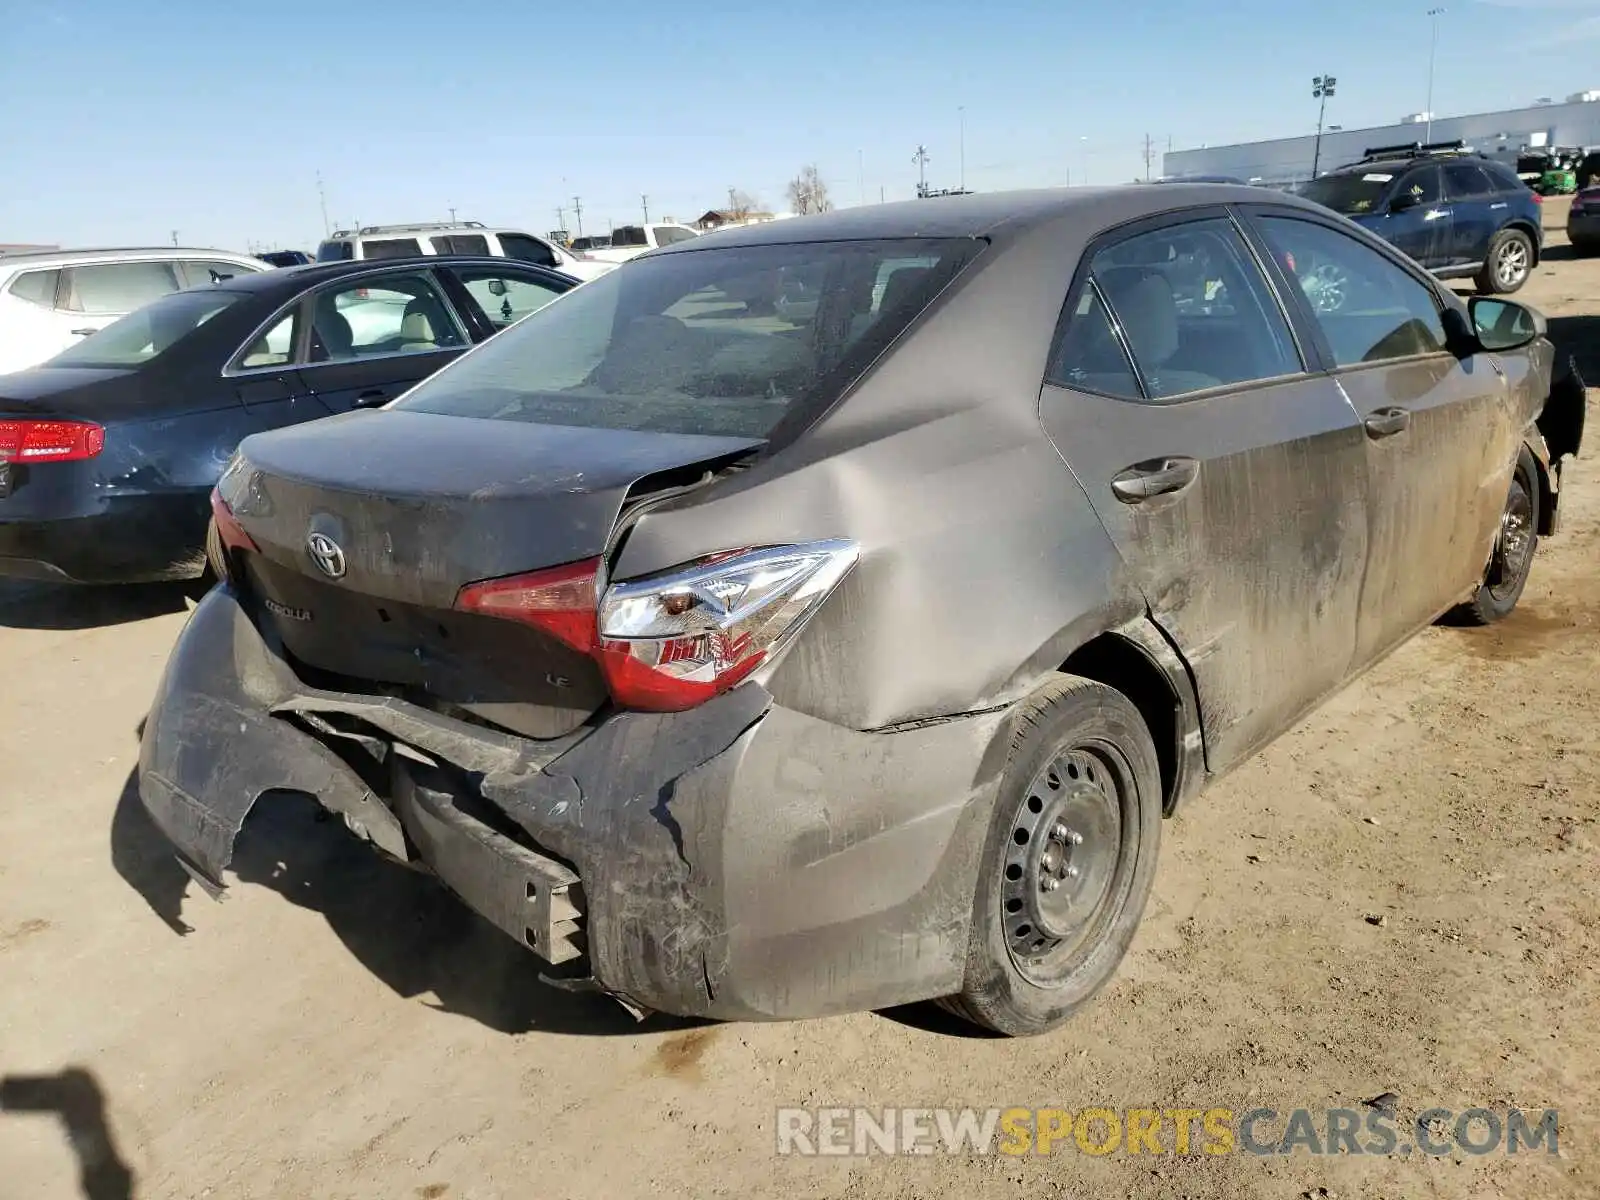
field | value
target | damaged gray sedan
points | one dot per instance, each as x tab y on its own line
824	615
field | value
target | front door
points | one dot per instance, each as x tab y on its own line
1439	435
1231	479
372	337
1422	229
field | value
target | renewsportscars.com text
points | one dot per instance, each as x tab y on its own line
1169	1131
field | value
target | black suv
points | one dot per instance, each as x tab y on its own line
1455	212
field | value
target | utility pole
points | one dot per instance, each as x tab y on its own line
452	216
1149	153
1084	139
645	201
962	113
1433	47
322	199
577	210
921	159
1321	89
174	237
880	195
561	217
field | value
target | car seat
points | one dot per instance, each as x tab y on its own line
1142	301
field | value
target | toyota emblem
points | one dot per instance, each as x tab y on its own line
327	554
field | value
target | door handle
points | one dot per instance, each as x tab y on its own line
83	332
1386	422
1157	477
372	398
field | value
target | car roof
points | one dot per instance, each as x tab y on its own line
47	258
384	232
312	274
985	214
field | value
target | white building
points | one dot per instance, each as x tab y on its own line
1576	122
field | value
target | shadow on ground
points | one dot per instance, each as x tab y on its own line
1579	337
402	925
74	1096
60	606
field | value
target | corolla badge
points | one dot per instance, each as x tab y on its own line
327	554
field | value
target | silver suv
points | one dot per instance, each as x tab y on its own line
464	237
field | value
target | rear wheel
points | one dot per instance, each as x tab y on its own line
1069	860
1511	561
1508	264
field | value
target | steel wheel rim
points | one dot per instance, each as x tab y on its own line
1513	544
1512	263
1064	857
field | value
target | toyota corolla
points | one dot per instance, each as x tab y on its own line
750	658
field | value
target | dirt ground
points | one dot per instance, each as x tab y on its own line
342	1028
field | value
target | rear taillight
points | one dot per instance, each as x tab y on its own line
230	536
674	640
30	441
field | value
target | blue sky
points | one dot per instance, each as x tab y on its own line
121	122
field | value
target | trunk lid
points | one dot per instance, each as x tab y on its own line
416	506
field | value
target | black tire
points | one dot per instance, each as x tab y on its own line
1511	560
1497	277
1080	753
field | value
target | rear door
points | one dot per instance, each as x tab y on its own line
266	373
1440	439
1230	477
373	336
1472	221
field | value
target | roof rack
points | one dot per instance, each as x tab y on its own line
419	227
1416	150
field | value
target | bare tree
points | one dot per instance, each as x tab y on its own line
741	204
807	192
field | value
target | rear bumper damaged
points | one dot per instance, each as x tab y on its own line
739	860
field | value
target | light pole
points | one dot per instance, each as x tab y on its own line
921	159
1321	89
1085	142
1433	48
961	112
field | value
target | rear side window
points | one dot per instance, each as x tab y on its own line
1466	181
459	243
335	252
118	287
36	287
629	235
1091	356
725	342
1370	309
391	248
666	235
527	249
1194	309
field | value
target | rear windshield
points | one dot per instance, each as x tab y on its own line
720	341
1352	194
142	336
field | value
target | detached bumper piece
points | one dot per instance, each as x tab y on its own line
530	896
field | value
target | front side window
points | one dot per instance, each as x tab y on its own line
725	341
528	249
1194	308
505	299
118	287
1353	194
391	248
1425	185
1370	309
204	272
402	313
36	287
145	335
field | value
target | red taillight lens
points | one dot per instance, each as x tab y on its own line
561	601
28	441
230	536
674	640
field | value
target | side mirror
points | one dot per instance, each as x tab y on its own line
1502	325
1403	201
497	287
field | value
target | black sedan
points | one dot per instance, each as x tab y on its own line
109	451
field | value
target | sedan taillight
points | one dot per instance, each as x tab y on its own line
31	441
230	536
674	640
